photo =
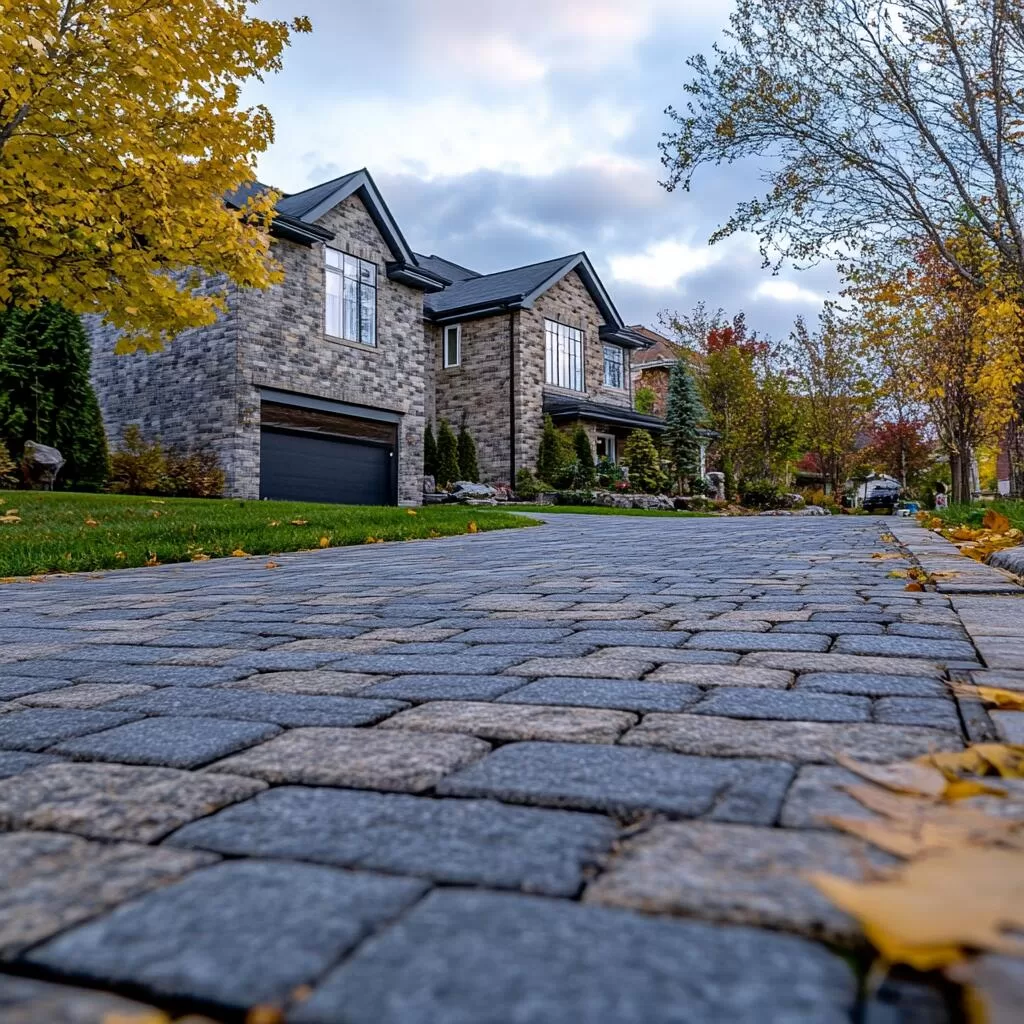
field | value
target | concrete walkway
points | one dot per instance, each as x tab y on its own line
565	774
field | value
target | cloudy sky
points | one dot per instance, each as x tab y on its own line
507	133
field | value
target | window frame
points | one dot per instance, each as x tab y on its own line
621	386
446	363
576	367
610	445
361	287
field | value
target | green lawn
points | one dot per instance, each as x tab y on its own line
62	532
600	510
971	515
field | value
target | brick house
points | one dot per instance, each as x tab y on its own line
651	367
320	387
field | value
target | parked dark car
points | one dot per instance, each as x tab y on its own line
882	498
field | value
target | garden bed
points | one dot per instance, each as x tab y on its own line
63	532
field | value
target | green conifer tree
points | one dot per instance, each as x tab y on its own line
429	452
640	454
447	455
46	394
553	454
585	469
684	412
468	467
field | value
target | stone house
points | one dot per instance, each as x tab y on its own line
320	387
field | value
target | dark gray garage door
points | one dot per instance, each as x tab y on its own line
305	467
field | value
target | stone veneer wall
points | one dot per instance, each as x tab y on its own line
567	302
186	394
478	389
283	345
655	378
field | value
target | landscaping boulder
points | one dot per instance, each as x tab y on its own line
812	510
717	482
652	502
42	464
609	499
1010	560
429	484
463	490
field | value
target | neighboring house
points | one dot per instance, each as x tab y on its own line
651	368
320	387
516	345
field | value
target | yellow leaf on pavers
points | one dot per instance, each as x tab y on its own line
929	912
239	553
964	533
995	521
272	565
898	574
1007	700
905	777
964	789
993	988
148	1017
915	586
265	1015
1003	759
1006	758
886	554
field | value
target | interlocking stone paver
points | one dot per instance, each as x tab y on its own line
14	762
426	688
470	957
730	675
788	705
922	630
311	682
595	666
708	736
108	801
51	881
19	686
745	642
82	695
630	638
174	742
511	635
466	842
415	664
162	675
766	615
820	626
515	721
30	1001
870	684
361	758
934	712
1009	725
235	934
35	729
817	793
606	693
260	707
737	873
623	781
906	647
797	662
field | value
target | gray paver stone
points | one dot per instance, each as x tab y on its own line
515	721
174	742
112	801
361	758
415	664
624	781
35	729
784	705
161	675
14	762
50	881
797	662
933	712
746	642
425	688
468	957
468	842
906	647
738	873
237	934
18	686
310	682
722	675
870	684
708	736
606	693
28	1001
596	666
83	695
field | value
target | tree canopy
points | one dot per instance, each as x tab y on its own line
121	130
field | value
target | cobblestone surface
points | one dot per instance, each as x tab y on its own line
639	713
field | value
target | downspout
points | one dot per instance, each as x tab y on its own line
511	399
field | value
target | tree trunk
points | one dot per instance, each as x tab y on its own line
960	470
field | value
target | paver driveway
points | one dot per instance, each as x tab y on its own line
571	773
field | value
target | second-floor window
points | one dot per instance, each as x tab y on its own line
453	345
563	354
351	305
614	367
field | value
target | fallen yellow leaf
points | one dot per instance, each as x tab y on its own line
324	542
1007	700
265	1015
995	521
472	527
882	555
120	556
200	556
274	522
410	511
298	522
1005	759
272	565
898	574
9	519
11	512
914	586
929	912
91	522
151	559
905	777
149	1017
992	994
239	553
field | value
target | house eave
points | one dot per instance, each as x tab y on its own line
567	410
415	277
296	231
623	337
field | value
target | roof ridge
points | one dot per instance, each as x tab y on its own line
320	184
528	266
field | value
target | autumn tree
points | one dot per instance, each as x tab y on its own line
875	121
900	449
771	426
121	132
959	342
835	396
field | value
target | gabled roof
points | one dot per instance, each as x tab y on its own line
520	287
661	351
451	272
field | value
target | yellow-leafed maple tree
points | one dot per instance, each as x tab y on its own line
121	131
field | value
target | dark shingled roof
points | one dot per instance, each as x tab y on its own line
451	272
505	286
562	407
299	204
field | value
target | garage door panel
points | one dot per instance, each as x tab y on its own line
304	467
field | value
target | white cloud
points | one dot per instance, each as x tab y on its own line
786	291
663	264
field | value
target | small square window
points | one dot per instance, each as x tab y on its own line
453	345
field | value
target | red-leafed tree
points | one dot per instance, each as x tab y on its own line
901	449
